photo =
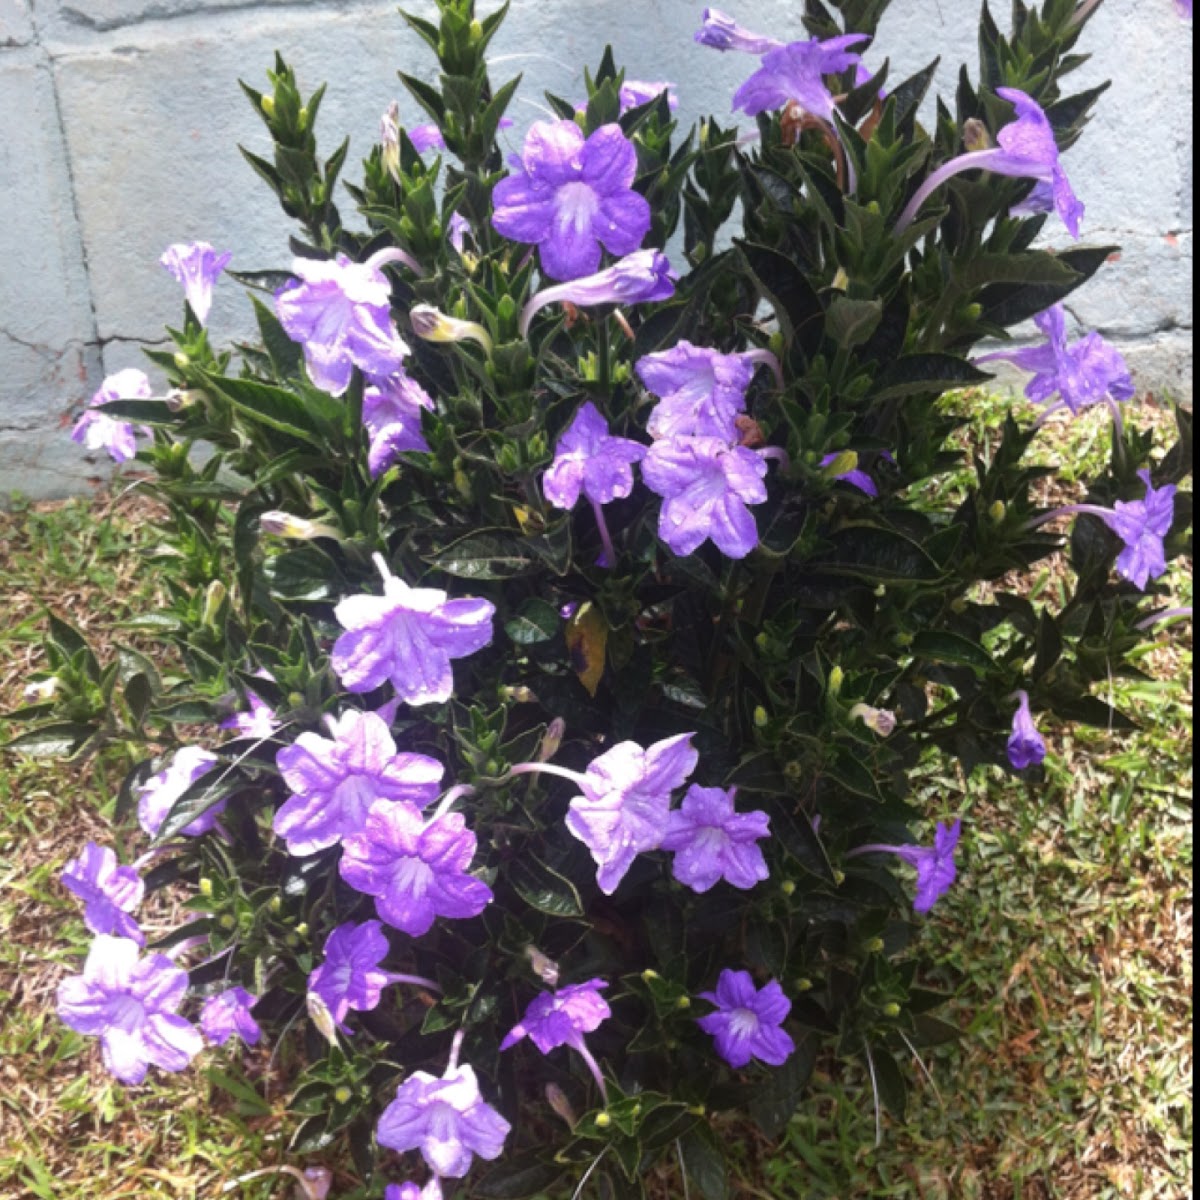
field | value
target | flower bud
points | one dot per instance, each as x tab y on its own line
560	1105
839	877
841	281
997	512
891	1009
227	921
214	597
285	525
267	104
206	886
433	326
683	1003
878	720
551	740
788	887
603	1120
803	985
544	967
793	770
389	139
317	1182
182	360
760	716
649	975
41	691
177	399
975	135
874	946
275	904
836	678
841	464
321	1017
302	929
342	1095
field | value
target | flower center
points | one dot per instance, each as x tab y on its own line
577	205
743	1022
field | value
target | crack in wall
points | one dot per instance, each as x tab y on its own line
81	19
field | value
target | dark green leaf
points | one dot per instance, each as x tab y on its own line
704	1162
537	621
951	648
62	738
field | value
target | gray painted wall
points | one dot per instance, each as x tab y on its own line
122	119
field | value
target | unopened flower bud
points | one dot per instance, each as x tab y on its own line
342	1095
389	139
603	1120
841	464
975	135
302	929
839	877
841	281
560	1105
519	695
182	360
227	921
878	720
891	1009
544	967
267	104
41	691
836	678
214	597
177	399
793	770
282	524
788	887
434	326
317	1182
206	886
803	985
997	512
321	1017
649	975
275	904
683	1003
760	716
551	740
874	945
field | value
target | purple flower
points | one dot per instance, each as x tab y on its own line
636	92
98	431
157	796
392	414
260	722
1026	149
796	72
195	266
227	1015
447	1119
1142	525
1184	9
426	137
590	459
711	841
573	196
747	1023
340	312
561	1018
109	892
1081	374
1026	747
639	278
701	390
859	479
351	977
410	1191
459	228
625	801
936	871
335	782
415	869
706	485
130	1004
721	32
409	636
1040	200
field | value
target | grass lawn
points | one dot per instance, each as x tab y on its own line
1066	945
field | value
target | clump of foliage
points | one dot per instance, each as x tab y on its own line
611	801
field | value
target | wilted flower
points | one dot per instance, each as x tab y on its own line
130	1003
98	431
706	485
636	92
1026	747
287	525
879	720
416	869
638	278
748	1021
196	266
389	139
433	326
110	892
561	1018
711	841
447	1119
573	196
935	866
408	636
157	796
720	31
796	72
626	797
227	1015
1026	149
335	782
391	413
339	311
1081	374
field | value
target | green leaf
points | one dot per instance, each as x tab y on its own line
544	889
951	648
314	418
914	374
62	738
849	323
777	1098
518	1179
537	621
704	1162
889	1082
786	288
485	556
209	790
878	555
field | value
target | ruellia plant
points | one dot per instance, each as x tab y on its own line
576	588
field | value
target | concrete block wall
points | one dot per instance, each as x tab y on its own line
124	116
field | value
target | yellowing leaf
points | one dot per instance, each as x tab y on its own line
587	637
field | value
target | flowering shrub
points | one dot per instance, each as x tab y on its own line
540	832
